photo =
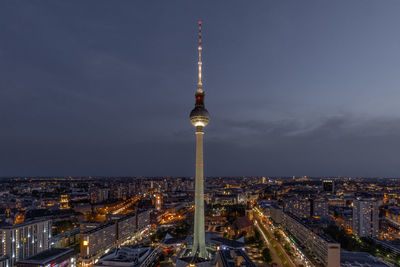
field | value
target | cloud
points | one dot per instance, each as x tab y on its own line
339	145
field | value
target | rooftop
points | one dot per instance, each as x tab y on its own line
23	224
233	258
126	256
48	256
350	259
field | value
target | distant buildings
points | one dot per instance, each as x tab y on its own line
365	218
298	207
24	240
98	195
306	208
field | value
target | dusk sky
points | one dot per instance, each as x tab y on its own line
293	87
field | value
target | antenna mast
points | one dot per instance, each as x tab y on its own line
199	89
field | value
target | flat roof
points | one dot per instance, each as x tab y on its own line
23	224
47	256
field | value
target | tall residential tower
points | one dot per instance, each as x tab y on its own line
199	117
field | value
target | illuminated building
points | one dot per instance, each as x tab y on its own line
199	118
24	240
67	239
300	208
158	202
126	227
319	207
94	242
365	218
325	249
64	202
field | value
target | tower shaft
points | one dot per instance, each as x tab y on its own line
199	243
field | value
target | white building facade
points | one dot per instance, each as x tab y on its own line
24	240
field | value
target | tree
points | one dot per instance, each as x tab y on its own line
277	235
258	238
158	235
288	248
266	255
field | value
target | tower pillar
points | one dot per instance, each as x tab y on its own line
199	243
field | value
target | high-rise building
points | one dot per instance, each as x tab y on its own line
328	186
158	202
199	118
365	217
24	240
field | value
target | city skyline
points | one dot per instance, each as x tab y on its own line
296	89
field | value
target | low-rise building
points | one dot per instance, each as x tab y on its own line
63	257
359	259
67	239
276	214
134	256
242	226
233	258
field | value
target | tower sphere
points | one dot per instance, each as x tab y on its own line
199	117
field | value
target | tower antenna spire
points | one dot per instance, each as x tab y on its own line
200	84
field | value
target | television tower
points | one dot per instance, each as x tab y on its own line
199	117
